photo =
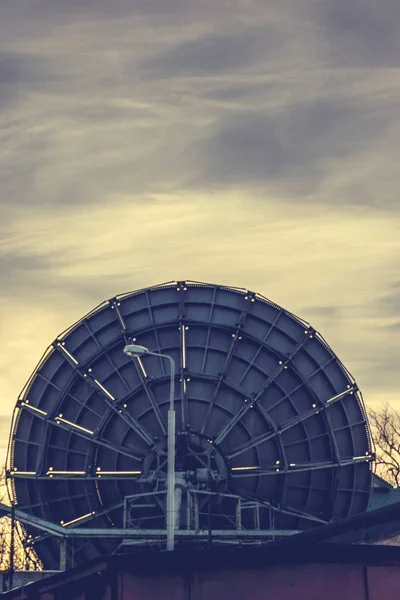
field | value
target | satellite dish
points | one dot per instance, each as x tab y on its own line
272	435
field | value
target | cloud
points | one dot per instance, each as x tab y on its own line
324	312
21	74
290	254
362	32
212	104
388	304
5	424
294	147
214	53
20	271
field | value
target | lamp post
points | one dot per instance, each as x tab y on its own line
136	351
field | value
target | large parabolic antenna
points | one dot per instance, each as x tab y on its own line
271	436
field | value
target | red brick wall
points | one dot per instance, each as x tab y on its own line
383	583
297	582
133	587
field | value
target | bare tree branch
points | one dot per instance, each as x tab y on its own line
24	558
385	426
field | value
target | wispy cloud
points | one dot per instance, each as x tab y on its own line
362	33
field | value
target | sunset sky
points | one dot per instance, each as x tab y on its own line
253	143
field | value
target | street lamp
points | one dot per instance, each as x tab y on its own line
136	351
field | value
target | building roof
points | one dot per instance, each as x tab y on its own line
382	493
380	483
366	528
351	540
185	562
383	497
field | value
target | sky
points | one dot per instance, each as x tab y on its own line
251	143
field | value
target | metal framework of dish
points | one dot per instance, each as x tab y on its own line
272	436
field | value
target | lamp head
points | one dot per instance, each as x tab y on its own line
135	350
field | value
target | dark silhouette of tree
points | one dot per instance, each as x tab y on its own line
24	558
385	426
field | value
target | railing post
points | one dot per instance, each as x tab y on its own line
63	554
